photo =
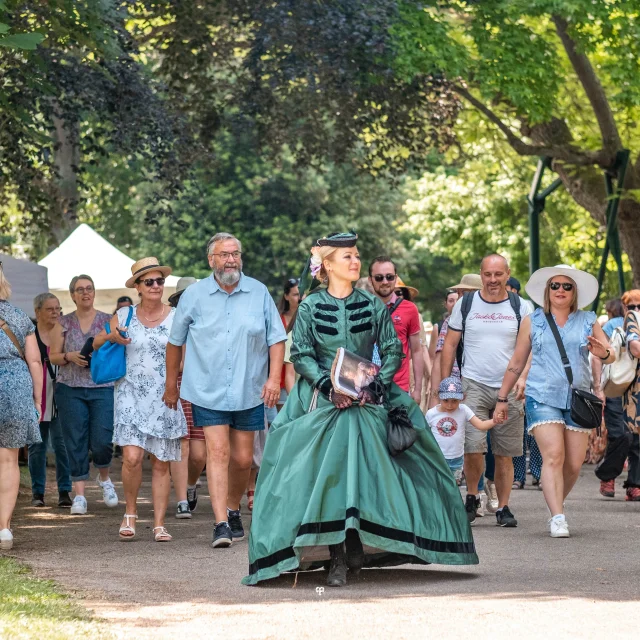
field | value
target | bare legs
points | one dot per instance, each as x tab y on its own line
9	485
79	485
229	457
180	471
197	459
562	453
473	470
503	479
132	458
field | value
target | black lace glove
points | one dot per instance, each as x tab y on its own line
375	390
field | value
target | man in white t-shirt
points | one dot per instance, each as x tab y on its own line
490	331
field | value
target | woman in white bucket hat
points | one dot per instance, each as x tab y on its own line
561	291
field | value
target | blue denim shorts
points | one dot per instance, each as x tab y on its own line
246	420
538	413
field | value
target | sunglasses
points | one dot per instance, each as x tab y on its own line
567	286
389	277
633	307
148	282
292	282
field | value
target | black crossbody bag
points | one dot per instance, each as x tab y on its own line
586	409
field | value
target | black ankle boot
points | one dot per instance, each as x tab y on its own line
338	568
355	552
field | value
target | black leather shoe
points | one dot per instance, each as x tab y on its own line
37	500
338	568
355	552
64	499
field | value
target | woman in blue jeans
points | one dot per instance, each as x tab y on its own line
47	309
561	291
85	409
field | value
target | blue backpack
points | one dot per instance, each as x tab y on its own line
109	363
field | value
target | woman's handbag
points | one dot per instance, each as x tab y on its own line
618	376
586	409
109	363
401	433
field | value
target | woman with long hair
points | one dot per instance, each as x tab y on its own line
85	408
328	489
143	422
561	291
20	401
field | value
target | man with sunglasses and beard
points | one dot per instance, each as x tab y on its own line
233	361
406	321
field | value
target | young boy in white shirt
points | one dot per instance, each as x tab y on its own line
448	421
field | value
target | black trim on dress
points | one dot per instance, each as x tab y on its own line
327	307
361	316
361	327
357	305
330	331
325	317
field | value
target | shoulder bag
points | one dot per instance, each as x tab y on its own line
109	363
586	408
12	336
618	376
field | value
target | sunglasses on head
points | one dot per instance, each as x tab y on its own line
292	282
633	307
148	282
389	277
567	286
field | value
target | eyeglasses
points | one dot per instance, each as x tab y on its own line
633	307
567	286
83	290
389	277
225	255
148	282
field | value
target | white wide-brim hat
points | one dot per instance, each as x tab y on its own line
586	283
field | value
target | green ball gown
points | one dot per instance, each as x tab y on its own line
328	470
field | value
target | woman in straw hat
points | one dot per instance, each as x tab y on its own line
561	292
143	423
350	502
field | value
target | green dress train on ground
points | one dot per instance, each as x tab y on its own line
328	470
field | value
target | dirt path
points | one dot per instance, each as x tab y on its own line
526	584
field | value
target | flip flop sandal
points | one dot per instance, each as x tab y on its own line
160	534
250	495
127	532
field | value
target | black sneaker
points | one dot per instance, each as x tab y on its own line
64	499
192	498
471	506
235	522
222	536
182	510
504	518
37	500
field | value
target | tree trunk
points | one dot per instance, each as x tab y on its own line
66	159
586	186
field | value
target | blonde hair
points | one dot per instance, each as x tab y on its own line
547	295
325	253
5	287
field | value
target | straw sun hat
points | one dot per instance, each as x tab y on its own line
470	281
139	268
181	286
413	292
586	283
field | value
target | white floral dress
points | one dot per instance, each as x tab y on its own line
141	417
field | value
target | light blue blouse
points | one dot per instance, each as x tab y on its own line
547	382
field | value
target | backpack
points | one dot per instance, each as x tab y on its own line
618	376
467	301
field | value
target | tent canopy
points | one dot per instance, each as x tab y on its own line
27	280
86	251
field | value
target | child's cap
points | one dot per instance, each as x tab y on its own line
451	389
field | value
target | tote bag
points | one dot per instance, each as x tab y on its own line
109	363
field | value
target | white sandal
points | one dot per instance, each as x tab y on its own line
162	536
127	532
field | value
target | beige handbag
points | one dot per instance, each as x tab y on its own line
618	376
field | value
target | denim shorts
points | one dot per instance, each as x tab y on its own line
538	413
246	420
455	465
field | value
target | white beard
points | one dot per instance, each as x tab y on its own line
227	278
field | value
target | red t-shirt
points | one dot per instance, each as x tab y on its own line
406	321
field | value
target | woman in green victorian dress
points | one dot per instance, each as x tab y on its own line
328	487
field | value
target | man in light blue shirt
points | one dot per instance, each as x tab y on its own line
233	360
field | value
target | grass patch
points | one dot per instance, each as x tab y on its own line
34	608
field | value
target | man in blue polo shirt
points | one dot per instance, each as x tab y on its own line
234	353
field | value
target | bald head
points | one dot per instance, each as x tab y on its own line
494	271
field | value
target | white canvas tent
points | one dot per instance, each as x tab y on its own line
27	280
86	251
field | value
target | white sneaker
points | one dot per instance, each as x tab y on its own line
79	506
481	512
6	539
108	492
492	496
558	528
